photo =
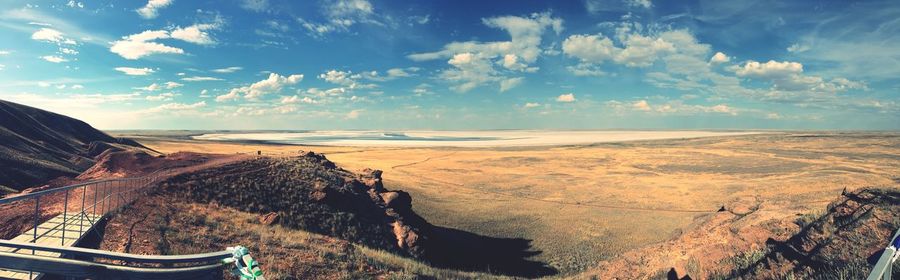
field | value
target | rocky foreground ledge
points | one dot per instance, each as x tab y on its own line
311	193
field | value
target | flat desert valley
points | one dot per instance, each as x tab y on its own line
575	201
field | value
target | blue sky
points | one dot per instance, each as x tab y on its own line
369	64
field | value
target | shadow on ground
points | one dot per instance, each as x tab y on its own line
468	251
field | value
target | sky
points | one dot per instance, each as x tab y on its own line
456	65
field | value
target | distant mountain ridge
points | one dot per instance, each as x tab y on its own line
37	146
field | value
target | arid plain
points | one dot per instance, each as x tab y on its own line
579	205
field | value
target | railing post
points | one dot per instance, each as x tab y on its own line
94	206
103	205
65	220
37	209
82	214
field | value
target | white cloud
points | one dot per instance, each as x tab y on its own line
350	80
200	79
4	52
354	114
773	116
151	87
161	97
135	71
641	105
255	5
719	57
345	78
398	73
273	84
296	99
672	107
139	45
567	97
228	69
77	87
510	83
340	16
54	59
174	107
68	51
638	50
788	76
646	4
51	35
171	85
771	69
197	33
149	11
143	44
472	63
2	66
585	70
589	48
532	105
798	48
73	4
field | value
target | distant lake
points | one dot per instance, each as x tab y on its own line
494	138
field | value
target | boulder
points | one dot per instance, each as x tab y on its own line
269	219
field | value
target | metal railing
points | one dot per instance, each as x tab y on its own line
197	266
883	268
89	203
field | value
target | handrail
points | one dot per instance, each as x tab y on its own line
156	259
94	270
108	196
883	268
75	186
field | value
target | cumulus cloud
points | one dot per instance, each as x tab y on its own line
719	57
54	59
638	50
139	45
771	69
531	104
196	34
566	98
273	84
296	99
788	76
150	10
472	63
349	80
135	71
143	44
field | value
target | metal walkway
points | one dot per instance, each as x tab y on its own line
58	219
62	230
